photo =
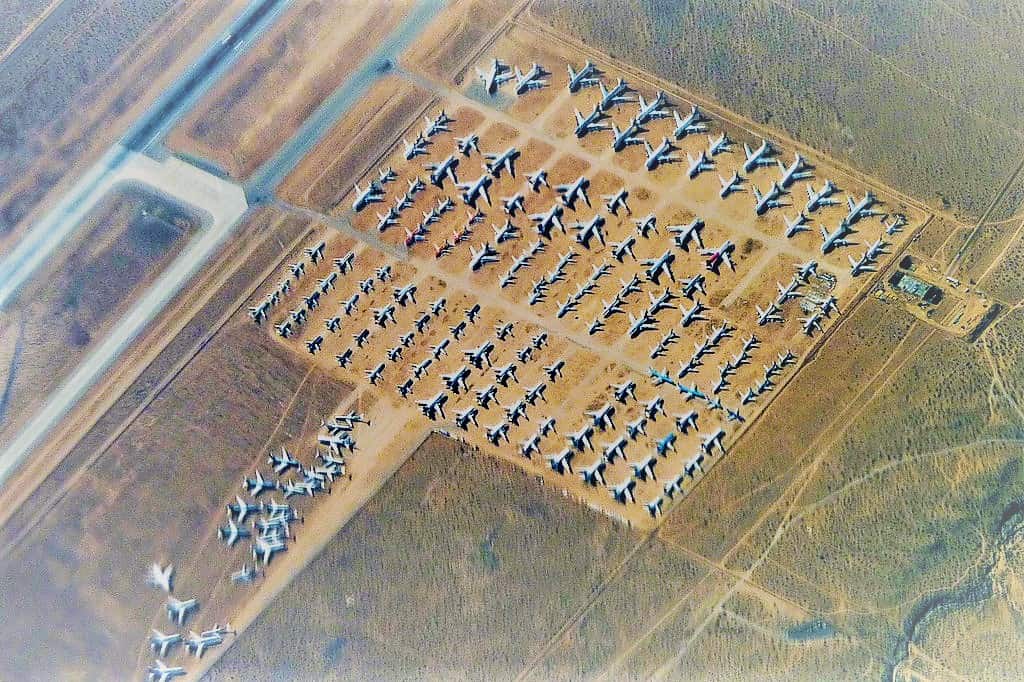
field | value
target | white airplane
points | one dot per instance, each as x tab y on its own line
717	256
465	417
623	391
646	225
161	672
573	191
796	225
602	417
644	468
497	432
693	285
434	406
652	110
545	222
637	428
765	202
589	230
661	154
861	208
733	184
246	574
580	440
804	271
639	325
178	609
498	74
626	137
554	370
684	234
698	164
231	533
719	145
764	155
513	204
695	122
830	241
438	124
685	422
587	77
660	265
264	549
472	191
621	249
417	147
484	256
823	197
161	643
787	292
531	80
617	95
467	145
594	474
444	169
505	232
798	170
199	643
479	355
693	314
623	492
457	379
713	441
257	485
613	202
506	160
364	197
161	577
862	265
562	462
590	123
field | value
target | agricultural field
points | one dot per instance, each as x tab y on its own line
870	84
482	562
122	247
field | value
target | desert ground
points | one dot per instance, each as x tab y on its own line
860	519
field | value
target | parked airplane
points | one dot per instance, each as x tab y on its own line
733	184
623	492
587	77
694	122
161	672
417	147
660	265
472	191
506	160
179	609
364	197
684	234
161	643
646	225
616	95
623	391
830	241
589	230
483	257
698	164
717	256
498	74
796	225
661	154
655	109
626	137
796	171
861	208
531	80
823	197
443	169
613	202
573	191
590	123
765	202
433	407
161	577
764	155
719	145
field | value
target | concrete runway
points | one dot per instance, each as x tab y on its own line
221	203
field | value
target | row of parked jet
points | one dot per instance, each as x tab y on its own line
178	612
498	73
